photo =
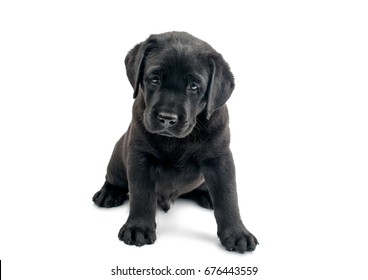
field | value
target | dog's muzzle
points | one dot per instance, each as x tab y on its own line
168	124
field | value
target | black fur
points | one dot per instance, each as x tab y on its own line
177	144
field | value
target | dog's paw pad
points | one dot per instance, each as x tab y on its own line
136	235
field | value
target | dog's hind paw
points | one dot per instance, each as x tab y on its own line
201	196
110	196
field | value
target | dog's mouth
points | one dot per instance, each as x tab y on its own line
168	133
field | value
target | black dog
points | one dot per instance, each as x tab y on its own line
177	144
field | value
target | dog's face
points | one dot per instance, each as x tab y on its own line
179	77
174	86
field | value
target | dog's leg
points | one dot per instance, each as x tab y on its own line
115	190
219	174
200	195
140	228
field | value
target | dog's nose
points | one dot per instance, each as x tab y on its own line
167	119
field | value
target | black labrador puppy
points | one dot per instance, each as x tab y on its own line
177	144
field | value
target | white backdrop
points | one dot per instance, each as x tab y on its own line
299	136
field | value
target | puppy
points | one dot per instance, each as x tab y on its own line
177	144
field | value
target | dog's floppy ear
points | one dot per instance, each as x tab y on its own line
135	62
221	84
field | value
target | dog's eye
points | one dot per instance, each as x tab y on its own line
194	87
155	80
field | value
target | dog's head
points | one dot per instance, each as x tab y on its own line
179	77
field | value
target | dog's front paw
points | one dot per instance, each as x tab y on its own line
138	235
238	240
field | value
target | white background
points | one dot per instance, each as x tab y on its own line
299	136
